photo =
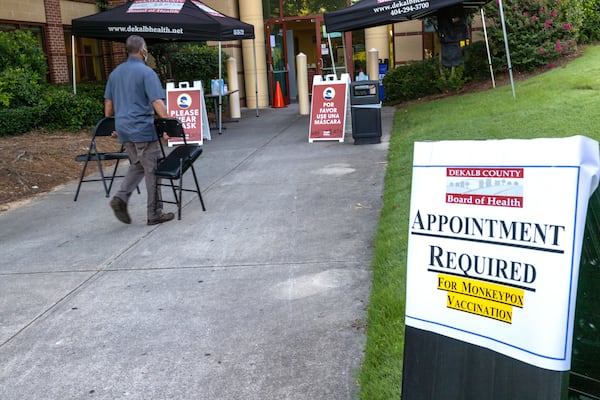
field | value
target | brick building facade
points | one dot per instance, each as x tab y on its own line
279	38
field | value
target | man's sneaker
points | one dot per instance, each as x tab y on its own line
120	209
163	218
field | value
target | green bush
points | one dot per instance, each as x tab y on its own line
187	62
19	87
589	31
538	31
91	90
476	61
21	49
64	110
57	108
451	80
16	121
411	81
22	69
26	102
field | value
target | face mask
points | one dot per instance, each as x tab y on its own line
146	56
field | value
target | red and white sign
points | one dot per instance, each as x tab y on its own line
156	6
328	109
497	187
185	104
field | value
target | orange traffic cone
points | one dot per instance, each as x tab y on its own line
278	101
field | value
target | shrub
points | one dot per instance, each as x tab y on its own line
22	69
16	121
91	90
476	61
21	49
451	79
64	110
187	62
590	25
538	31
411	81
57	108
19	87
27	103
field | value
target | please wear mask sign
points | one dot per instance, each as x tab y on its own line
495	236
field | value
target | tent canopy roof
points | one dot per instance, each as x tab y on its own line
175	20
370	13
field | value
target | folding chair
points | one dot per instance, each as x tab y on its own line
174	165
104	127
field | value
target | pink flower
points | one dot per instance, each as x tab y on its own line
550	66
553	13
541	50
558	46
567	26
526	14
548	23
535	17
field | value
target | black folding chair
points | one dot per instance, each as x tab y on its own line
174	165
104	127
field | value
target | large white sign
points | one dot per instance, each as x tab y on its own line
495	238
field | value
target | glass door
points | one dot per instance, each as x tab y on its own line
332	51
277	60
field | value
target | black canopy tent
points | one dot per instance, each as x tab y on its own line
371	13
164	20
177	20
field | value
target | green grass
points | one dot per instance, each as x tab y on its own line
561	102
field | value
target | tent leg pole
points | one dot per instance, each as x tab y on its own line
345	58
220	116
512	83
255	75
73	59
487	47
331	54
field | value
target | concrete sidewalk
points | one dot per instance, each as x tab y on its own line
262	296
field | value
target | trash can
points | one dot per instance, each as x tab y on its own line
366	112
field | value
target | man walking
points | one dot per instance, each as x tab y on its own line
133	94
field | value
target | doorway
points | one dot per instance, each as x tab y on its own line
289	36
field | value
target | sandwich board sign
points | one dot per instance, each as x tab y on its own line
187	104
328	108
495	237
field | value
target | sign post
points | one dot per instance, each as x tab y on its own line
187	104
495	238
328	108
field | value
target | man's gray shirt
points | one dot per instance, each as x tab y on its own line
132	87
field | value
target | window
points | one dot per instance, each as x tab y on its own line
88	60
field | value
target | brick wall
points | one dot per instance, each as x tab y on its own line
114	52
117	53
55	42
